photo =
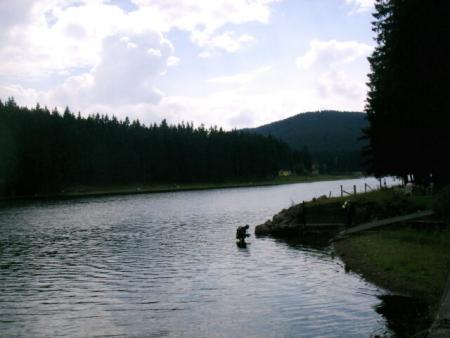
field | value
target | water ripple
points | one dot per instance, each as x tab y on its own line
167	265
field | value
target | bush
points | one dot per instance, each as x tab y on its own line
441	205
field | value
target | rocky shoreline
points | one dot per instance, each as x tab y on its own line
322	215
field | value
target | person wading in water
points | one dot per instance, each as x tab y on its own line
241	233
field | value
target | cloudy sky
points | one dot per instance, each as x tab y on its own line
231	63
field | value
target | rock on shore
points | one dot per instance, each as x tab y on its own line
287	222
320	216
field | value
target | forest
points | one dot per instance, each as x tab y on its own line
408	103
45	152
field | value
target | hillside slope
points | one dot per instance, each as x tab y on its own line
332	137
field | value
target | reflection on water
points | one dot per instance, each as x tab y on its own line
241	244
308	242
168	265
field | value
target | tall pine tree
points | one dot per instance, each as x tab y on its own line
408	103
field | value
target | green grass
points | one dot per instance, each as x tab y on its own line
369	206
413	260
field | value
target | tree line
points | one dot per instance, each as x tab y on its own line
46	151
408	103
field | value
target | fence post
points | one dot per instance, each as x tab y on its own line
354	189
342	192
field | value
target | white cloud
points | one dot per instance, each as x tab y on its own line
202	15
153	52
333	64
47	38
73	39
126	74
204	54
227	41
359	6
241	78
173	61
13	13
24	96
333	53
338	83
238	107
202	19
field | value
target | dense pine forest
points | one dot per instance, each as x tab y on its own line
44	152
408	103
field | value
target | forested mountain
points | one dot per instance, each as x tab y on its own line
332	137
44	152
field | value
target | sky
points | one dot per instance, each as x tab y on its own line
229	63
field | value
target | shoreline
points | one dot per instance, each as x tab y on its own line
407	261
410	258
404	259
135	189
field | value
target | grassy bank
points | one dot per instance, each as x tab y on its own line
409	259
369	206
104	190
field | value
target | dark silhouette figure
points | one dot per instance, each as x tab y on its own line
241	233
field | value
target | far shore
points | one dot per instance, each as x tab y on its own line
110	190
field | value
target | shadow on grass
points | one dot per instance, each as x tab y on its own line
405	316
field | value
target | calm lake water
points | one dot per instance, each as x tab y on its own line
167	265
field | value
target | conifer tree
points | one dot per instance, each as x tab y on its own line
408	101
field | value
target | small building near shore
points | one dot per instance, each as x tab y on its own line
284	173
315	168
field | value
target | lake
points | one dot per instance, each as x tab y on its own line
167	265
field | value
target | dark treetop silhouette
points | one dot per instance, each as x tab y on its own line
45	152
409	91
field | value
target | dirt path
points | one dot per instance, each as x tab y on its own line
386	221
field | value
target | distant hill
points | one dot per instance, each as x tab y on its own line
331	137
